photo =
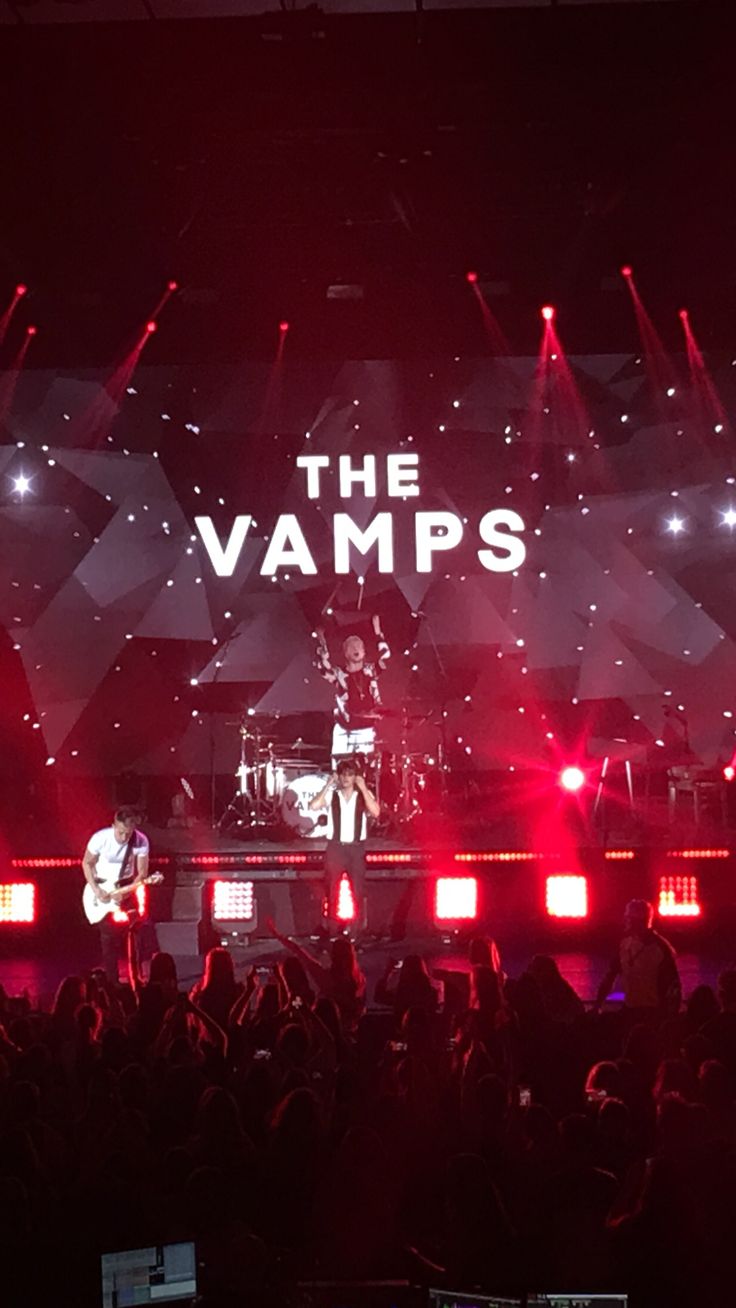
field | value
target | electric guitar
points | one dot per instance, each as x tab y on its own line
95	910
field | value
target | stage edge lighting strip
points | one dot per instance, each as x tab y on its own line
699	853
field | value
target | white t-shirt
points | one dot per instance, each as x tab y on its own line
347	819
111	853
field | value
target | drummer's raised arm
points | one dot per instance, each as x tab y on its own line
322	660
384	653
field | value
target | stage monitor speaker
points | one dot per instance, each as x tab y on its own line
178	938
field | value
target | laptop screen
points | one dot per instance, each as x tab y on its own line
577	1301
162	1273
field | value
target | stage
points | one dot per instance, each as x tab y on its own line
431	895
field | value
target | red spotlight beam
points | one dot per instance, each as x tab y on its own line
171	289
661	372
94	421
6	318
9	381
496	339
272	396
535	405
702	382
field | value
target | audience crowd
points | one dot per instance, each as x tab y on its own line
465	1129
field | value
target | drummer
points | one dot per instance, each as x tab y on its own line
357	696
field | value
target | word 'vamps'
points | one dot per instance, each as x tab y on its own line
435	532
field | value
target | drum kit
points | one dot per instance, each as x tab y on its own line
277	779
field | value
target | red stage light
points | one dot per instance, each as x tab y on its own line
566	896
283	326
172	286
119	914
233	901
21	289
678	897
627	270
497	856
18	902
572	779
684	314
345	901
471	278
619	854
729	772
31	331
548	312
456	899
151	327
392	858
699	853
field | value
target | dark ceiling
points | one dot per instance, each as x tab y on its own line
262	160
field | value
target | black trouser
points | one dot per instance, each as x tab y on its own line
341	858
113	941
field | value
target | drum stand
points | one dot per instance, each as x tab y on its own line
247	808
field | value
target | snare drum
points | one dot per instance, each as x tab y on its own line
295	809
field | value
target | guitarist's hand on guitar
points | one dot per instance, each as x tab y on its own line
104	896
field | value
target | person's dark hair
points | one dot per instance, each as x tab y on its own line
346	765
293	1044
545	971
219	972
701	1005
485	990
68	997
88	1018
267	1002
727	986
605	1075
483	952
639	911
162	971
674	1076
344	964
128	814
414	986
329	1015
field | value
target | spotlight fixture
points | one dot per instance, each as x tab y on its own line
626	270
151	327
729	772
31	331
471	278
21	289
172	286
572	779
548	312
683	314
283	326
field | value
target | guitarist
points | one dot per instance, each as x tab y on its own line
115	862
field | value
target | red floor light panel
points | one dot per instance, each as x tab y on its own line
233	901
566	896
456	899
678	897
345	901
18	902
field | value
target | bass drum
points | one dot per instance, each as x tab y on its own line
295	809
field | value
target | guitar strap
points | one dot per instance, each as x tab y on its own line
124	877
